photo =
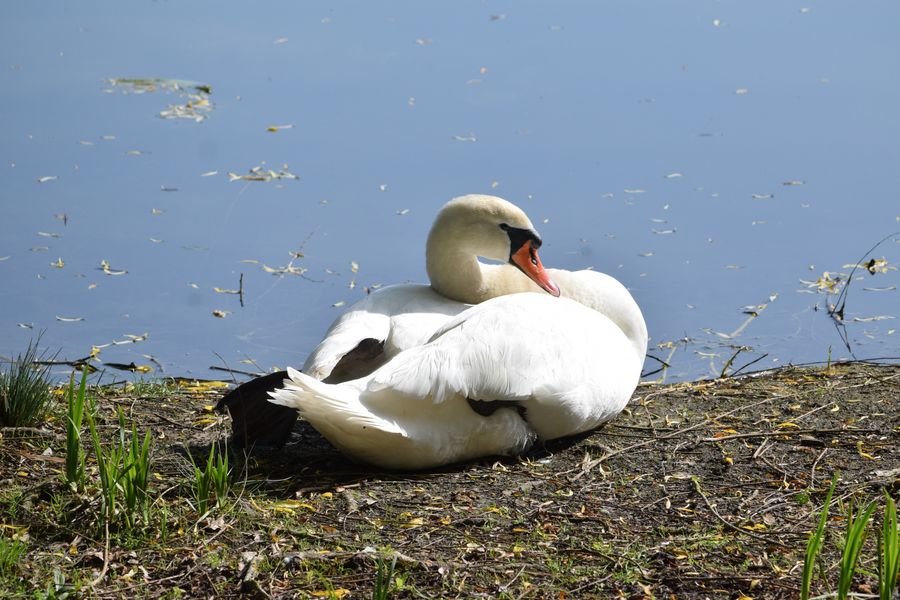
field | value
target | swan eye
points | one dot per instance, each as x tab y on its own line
504	227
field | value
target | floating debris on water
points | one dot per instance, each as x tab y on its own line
104	266
47	178
196	107
69	319
259	173
762	196
221	313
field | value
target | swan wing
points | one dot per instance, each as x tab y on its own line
378	327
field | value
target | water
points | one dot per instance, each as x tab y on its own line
650	140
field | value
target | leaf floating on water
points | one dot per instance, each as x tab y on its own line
219	290
196	105
69	319
209	174
128	367
46	234
221	313
47	178
58	263
762	196
26	325
465	138
871	319
873	266
402	212
339	304
646	254
890	288
155	240
276	128
828	282
168	189
635	191
104	266
793	182
673	175
354	266
663	231
258	173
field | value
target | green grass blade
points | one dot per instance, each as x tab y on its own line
815	544
856	537
888	551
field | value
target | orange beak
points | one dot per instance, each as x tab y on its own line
527	260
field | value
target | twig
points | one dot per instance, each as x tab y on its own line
241	290
105	568
752	362
31	430
812	472
755	434
235	371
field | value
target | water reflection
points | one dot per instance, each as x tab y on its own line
713	157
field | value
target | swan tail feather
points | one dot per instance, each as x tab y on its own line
330	408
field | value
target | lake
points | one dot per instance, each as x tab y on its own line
728	162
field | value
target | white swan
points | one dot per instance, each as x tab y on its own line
489	381
398	317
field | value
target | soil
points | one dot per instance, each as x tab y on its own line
697	490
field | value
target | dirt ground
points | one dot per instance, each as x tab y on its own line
700	490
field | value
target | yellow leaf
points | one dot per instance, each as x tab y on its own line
412	523
787	425
755	527
338	593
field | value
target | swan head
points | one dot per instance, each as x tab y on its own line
489	227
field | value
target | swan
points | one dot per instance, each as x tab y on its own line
491	380
398	317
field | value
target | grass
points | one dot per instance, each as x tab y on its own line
211	482
10	553
384	576
24	390
123	468
501	528
75	402
888	553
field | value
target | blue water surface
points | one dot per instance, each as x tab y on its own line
713	156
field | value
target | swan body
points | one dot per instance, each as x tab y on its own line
489	381
395	318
